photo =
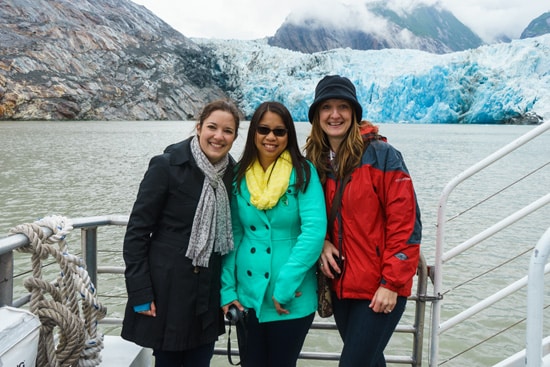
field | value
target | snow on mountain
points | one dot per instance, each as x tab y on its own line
498	83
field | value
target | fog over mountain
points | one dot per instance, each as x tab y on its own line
375	26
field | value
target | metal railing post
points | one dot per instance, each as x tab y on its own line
420	311
6	279
89	251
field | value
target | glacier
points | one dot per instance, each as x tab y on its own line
487	85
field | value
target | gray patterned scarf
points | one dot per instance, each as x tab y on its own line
212	221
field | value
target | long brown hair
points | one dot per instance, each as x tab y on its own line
349	154
250	152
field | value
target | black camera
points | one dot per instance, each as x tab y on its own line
234	315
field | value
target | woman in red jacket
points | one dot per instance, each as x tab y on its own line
372	247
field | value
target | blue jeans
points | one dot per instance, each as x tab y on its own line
197	357
364	332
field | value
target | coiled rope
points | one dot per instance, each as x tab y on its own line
73	307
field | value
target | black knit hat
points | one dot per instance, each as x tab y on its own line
338	87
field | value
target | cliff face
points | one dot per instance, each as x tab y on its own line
97	59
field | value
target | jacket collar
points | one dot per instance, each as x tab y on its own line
180	153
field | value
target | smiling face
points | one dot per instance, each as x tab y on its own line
335	118
217	134
270	146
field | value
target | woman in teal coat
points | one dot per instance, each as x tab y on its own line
279	225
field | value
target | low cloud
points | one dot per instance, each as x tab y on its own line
250	19
340	16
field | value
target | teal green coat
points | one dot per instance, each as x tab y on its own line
276	251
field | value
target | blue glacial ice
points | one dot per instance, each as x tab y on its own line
486	85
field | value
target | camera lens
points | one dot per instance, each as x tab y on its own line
233	314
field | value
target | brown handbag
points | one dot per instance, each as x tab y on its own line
324	305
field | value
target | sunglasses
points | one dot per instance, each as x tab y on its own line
264	130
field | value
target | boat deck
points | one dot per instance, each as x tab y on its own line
121	353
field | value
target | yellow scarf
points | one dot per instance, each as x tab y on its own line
267	187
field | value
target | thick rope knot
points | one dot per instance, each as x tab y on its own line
73	308
36	236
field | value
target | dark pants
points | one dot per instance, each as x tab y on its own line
275	344
364	332
198	357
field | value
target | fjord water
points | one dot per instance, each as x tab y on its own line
91	168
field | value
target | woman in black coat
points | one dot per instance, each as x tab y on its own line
179	227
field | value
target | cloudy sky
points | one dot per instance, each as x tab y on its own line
253	19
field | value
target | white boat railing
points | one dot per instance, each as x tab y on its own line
441	258
89	251
536	353
535	301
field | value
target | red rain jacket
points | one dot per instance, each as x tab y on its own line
380	224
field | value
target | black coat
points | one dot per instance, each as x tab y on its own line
187	297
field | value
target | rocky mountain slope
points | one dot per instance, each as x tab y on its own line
537	27
376	26
97	59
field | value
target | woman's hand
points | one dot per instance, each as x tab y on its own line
236	303
326	260
280	309
384	300
152	311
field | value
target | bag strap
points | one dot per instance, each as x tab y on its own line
241	326
337	200
229	349
336	203
335	213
